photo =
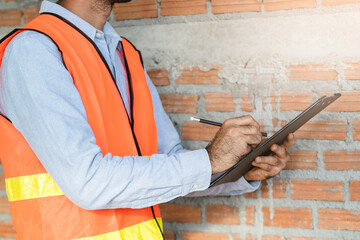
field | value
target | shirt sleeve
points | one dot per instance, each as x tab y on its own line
169	143
39	97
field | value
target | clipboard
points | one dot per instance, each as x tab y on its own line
244	165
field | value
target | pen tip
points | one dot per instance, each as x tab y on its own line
194	119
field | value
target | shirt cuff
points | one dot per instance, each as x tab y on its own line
196	170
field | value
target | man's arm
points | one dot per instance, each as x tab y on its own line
41	100
170	143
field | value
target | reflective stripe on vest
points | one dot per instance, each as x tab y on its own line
31	187
38	207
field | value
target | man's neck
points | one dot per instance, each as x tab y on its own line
94	12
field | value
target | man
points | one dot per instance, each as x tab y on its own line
87	149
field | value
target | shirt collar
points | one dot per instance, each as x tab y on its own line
84	26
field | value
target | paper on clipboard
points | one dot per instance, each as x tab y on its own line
244	165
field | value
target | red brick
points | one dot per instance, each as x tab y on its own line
250	215
317	190
278	188
196	75
198	131
295	101
30	14
289	218
7	230
179	103
338	2
2	181
219	102
296	238
246	103
182	7
203	236
230	6
302	160
348	102
4	205
180	213
354	190
10	0
275	5
10	17
254	237
352	71
160	77
356	130
270	100
169	235
221	214
136	10
311	71
342	160
326	130
339	219
250	195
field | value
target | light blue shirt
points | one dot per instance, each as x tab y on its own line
39	97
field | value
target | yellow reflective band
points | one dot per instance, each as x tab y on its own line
30	187
148	230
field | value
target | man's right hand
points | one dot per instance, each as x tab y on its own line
235	139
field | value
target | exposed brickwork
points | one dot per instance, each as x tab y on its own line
219	102
295	101
226	6
169	235
327	130
250	215
246	103
352	71
342	160
278	188
7	230
354	190
338	2
179	103
160	77
182	7
317	190
339	219
136	10
10	17
356	130
179	213
275	5
203	236
311	71
30	14
288	218
4	205
221	214
198	75
198	131
348	102
302	160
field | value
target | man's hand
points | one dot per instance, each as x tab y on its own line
268	166
232	141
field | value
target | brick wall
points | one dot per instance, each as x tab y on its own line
271	58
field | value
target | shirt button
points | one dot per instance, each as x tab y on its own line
98	35
195	186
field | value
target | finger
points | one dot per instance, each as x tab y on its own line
273	161
290	140
252	139
243	120
269	169
248	130
280	151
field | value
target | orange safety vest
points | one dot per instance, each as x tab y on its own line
38	207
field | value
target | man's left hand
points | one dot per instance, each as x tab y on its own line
269	166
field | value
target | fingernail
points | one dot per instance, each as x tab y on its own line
274	147
258	160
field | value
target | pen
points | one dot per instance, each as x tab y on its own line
215	123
